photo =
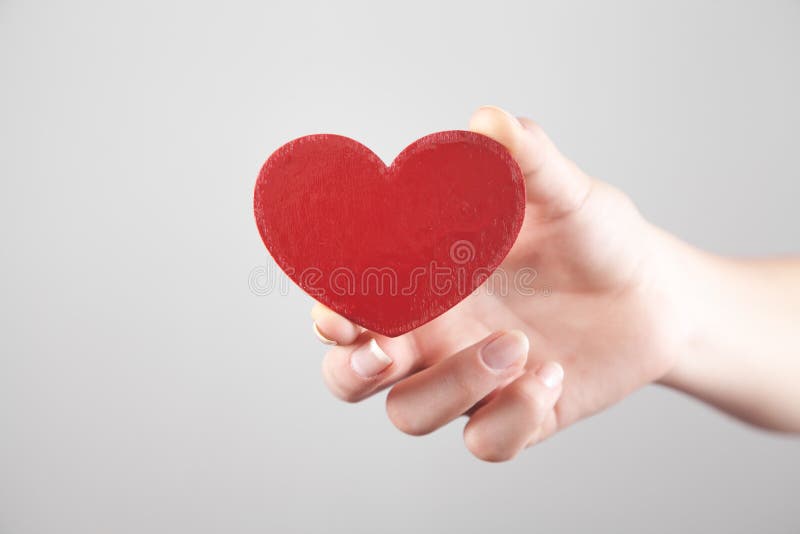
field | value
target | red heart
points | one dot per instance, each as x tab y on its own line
390	248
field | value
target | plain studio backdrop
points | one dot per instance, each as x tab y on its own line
148	383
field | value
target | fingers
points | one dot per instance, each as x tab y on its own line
437	395
331	328
371	363
522	413
554	184
362	362
510	407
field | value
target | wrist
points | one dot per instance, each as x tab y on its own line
724	340
681	289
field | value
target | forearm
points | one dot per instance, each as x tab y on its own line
742	344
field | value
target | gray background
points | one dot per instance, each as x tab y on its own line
144	387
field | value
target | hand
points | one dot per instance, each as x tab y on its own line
604	326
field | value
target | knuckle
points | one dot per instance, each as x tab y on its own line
461	382
530	395
468	378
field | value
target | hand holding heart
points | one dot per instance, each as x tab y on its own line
522	365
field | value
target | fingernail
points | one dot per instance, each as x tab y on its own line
551	373
369	359
502	352
321	337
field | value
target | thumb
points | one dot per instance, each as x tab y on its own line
555	185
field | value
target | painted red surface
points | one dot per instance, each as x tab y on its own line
392	247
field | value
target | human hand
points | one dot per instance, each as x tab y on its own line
598	320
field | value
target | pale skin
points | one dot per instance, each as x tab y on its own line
627	305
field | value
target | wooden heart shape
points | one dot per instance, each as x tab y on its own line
390	248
